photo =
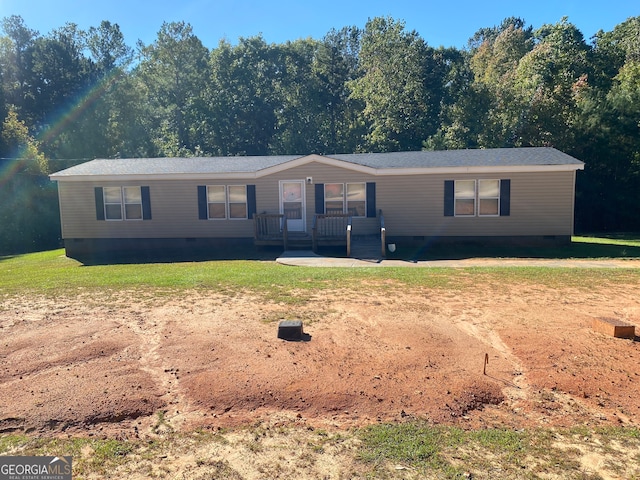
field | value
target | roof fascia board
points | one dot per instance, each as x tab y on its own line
301	161
298	162
384	172
154	177
478	170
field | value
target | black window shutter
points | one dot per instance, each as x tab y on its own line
505	198
319	198
371	200
202	202
99	203
251	201
449	198
146	203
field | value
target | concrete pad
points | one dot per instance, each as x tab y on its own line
307	258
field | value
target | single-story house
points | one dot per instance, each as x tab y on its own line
508	194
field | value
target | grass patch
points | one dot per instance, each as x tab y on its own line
54	274
51	273
414	444
408	450
90	456
451	453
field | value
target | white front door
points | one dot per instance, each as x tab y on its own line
292	204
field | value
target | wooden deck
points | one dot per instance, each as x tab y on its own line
270	229
328	230
331	230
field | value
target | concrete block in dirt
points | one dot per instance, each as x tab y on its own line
613	327
290	330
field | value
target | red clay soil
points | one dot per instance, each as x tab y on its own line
105	366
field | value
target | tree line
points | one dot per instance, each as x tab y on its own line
72	95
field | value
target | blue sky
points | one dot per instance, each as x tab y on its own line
439	22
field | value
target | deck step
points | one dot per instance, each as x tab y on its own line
366	248
299	241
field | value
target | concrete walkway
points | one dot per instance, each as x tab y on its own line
306	258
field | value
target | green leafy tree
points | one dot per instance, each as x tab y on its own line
15	46
465	107
497	120
28	201
20	147
609	140
395	86
108	48
297	100
243	97
174	71
488	35
546	80
335	65
59	76
112	113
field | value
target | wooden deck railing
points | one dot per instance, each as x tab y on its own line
270	229
331	230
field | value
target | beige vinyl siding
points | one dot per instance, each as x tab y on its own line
174	207
413	205
268	197
541	204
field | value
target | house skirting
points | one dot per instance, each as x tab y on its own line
113	250
110	250
506	240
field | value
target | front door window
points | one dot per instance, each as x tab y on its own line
292	204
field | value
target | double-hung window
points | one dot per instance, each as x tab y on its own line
348	198
237	198
481	198
357	199
122	203
217	201
465	198
488	198
333	198
227	202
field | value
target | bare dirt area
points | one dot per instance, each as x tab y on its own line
137	364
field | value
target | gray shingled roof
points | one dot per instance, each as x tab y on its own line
175	166
499	157
495	157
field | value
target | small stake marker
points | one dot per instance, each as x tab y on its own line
486	362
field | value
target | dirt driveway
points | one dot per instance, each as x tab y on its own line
379	352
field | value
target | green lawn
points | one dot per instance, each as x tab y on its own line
52	273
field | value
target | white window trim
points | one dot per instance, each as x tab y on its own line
477	198
456	198
497	214
343	195
246	203
226	213
227	202
124	203
345	202
123	210
106	204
